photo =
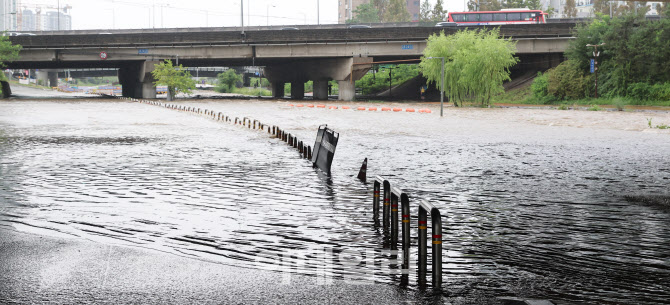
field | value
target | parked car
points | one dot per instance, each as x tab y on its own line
359	26
290	29
446	24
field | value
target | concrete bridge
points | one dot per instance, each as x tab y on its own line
289	56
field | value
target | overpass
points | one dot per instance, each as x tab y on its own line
289	56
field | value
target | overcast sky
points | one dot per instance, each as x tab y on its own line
125	14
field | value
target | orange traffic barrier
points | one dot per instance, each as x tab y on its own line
386	109
332	107
409	110
310	105
397	109
290	105
422	110
299	105
320	106
427	111
360	108
345	107
372	109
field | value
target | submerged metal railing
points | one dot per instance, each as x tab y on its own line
394	197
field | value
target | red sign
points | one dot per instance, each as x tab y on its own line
103	55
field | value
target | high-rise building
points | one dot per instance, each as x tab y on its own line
8	15
57	21
414	7
346	8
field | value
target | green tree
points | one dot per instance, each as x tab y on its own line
514	4
570	9
439	13
381	6
484	5
175	78
227	81
397	11
533	4
476	64
602	7
425	12
365	13
8	51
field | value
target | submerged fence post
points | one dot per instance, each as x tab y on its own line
436	222
395	197
387	206
404	203
377	185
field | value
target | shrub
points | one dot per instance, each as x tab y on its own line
540	84
567	81
660	92
639	91
563	107
619	103
594	108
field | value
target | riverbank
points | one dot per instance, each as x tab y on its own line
61	270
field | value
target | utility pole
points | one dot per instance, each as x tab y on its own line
390	79
318	13
441	86
594	68
58	15
242	15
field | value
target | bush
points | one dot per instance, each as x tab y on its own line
594	108
227	81
619	103
660	92
567	81
639	91
539	86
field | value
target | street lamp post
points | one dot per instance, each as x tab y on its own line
441	86
596	54
242	15
318	13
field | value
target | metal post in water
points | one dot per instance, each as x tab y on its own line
404	203
395	197
375	199
423	251
387	206
309	152
436	223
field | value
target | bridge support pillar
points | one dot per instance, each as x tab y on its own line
137	80
278	89
347	90
297	90
320	89
53	78
340	69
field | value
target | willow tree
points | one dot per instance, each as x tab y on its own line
174	77
8	52
476	64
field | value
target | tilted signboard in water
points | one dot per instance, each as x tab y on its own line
324	148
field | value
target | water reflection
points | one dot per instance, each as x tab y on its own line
536	212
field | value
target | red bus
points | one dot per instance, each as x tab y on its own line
506	16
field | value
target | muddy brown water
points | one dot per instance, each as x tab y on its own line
528	209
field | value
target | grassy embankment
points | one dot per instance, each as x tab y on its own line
523	95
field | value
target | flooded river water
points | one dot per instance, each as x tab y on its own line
528	210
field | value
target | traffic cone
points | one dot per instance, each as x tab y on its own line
362	174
